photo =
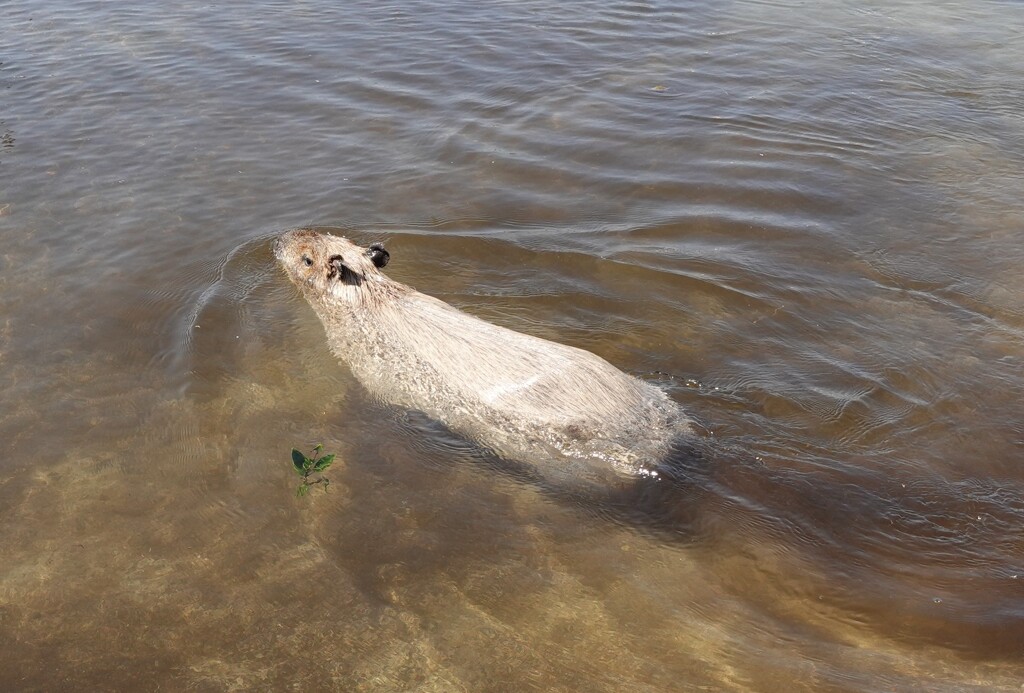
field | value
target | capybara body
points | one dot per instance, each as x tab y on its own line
566	412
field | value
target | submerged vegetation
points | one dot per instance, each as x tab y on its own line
307	466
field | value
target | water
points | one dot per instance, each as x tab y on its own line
803	220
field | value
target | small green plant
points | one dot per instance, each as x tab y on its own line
306	466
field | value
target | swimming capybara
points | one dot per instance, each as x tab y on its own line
567	413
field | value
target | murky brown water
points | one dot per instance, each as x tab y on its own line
804	220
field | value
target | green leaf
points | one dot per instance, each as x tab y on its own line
323	463
302	490
299	460
318	448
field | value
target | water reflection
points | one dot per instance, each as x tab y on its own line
803	221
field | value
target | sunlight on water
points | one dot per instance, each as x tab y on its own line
802	221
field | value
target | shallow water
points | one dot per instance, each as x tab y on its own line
805	221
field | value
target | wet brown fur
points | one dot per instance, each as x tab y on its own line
566	411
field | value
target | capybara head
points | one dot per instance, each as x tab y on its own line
327	267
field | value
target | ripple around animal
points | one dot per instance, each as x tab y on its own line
801	219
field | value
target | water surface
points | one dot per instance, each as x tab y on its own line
805	221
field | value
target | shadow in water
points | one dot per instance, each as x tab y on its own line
927	562
912	563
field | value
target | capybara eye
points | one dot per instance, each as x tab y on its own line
305	259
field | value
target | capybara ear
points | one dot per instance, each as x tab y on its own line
378	255
335	266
